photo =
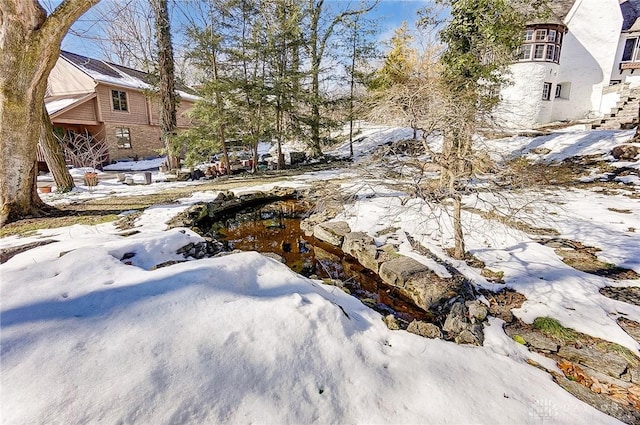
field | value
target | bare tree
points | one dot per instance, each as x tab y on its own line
129	34
82	150
29	47
320	29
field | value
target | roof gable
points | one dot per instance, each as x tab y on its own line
110	73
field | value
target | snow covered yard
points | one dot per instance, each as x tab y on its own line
88	337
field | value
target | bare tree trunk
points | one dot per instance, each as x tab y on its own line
54	156
352	85
29	47
167	79
459	249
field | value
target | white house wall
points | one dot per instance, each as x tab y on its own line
522	105
630	76
588	55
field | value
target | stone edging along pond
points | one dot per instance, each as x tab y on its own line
600	373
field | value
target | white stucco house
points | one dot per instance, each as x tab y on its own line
565	63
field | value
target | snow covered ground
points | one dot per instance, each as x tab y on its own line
88	338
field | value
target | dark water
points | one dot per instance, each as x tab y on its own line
276	228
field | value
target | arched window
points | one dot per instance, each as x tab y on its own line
542	43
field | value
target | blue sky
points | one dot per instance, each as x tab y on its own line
390	14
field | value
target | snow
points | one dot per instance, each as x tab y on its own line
54	106
90	338
143	165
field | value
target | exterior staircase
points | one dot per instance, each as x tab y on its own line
625	114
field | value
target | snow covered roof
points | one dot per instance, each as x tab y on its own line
57	104
630	13
110	73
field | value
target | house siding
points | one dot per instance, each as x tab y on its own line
145	141
136	105
182	120
85	113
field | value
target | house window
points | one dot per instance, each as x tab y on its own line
525	52
552	36
558	90
528	35
550	52
123	136
546	91
630	52
538	52
541	35
119	100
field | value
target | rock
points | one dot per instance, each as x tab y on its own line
628	152
274	256
398	271
540	151
415	280
331	232
536	340
477	311
392	322
599	401
634	375
604	378
456	321
362	247
607	362
425	329
468	337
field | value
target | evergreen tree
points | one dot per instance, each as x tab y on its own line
206	32
398	62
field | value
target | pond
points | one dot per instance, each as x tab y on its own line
275	228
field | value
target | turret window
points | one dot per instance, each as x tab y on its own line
546	91
542	43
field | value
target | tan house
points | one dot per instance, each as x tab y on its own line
111	104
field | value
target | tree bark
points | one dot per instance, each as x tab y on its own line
54	156
166	71
29	47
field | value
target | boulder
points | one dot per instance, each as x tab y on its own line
362	247
627	152
392	322
534	339
607	362
601	402
456	321
425	329
470	336
424	287
331	232
477	311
